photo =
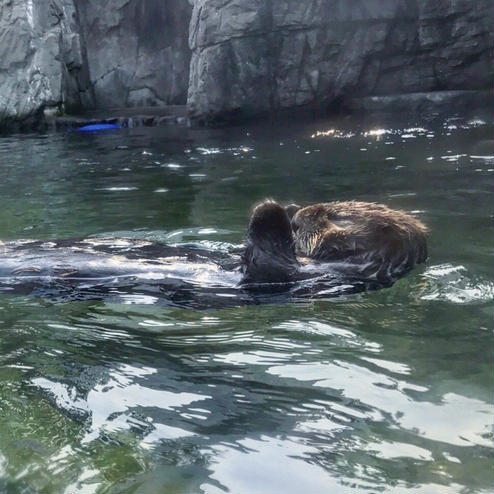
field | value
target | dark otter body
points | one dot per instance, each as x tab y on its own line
269	255
122	270
107	258
338	248
347	240
384	243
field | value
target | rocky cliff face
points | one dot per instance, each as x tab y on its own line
41	58
257	56
137	51
70	55
246	57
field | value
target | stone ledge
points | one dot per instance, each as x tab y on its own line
125	117
425	104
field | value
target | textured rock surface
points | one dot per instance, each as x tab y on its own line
248	56
137	51
75	54
253	56
428	105
41	59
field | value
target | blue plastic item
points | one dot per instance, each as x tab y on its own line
94	127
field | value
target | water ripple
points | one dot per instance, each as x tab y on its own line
451	283
388	392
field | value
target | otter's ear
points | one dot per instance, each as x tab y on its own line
291	209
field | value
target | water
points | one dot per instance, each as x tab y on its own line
389	391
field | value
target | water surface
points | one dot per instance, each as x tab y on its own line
389	391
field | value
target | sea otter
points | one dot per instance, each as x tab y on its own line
321	250
385	243
269	255
121	269
360	239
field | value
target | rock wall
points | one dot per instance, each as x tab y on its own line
41	59
69	55
238	58
257	56
137	51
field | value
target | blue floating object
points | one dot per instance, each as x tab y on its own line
94	127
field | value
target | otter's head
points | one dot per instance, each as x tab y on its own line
309	225
269	255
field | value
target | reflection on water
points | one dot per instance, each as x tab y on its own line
387	391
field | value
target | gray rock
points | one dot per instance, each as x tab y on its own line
137	51
255	56
73	54
238	58
41	60
468	104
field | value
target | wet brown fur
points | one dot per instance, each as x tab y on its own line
383	240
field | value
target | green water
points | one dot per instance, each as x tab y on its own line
390	391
